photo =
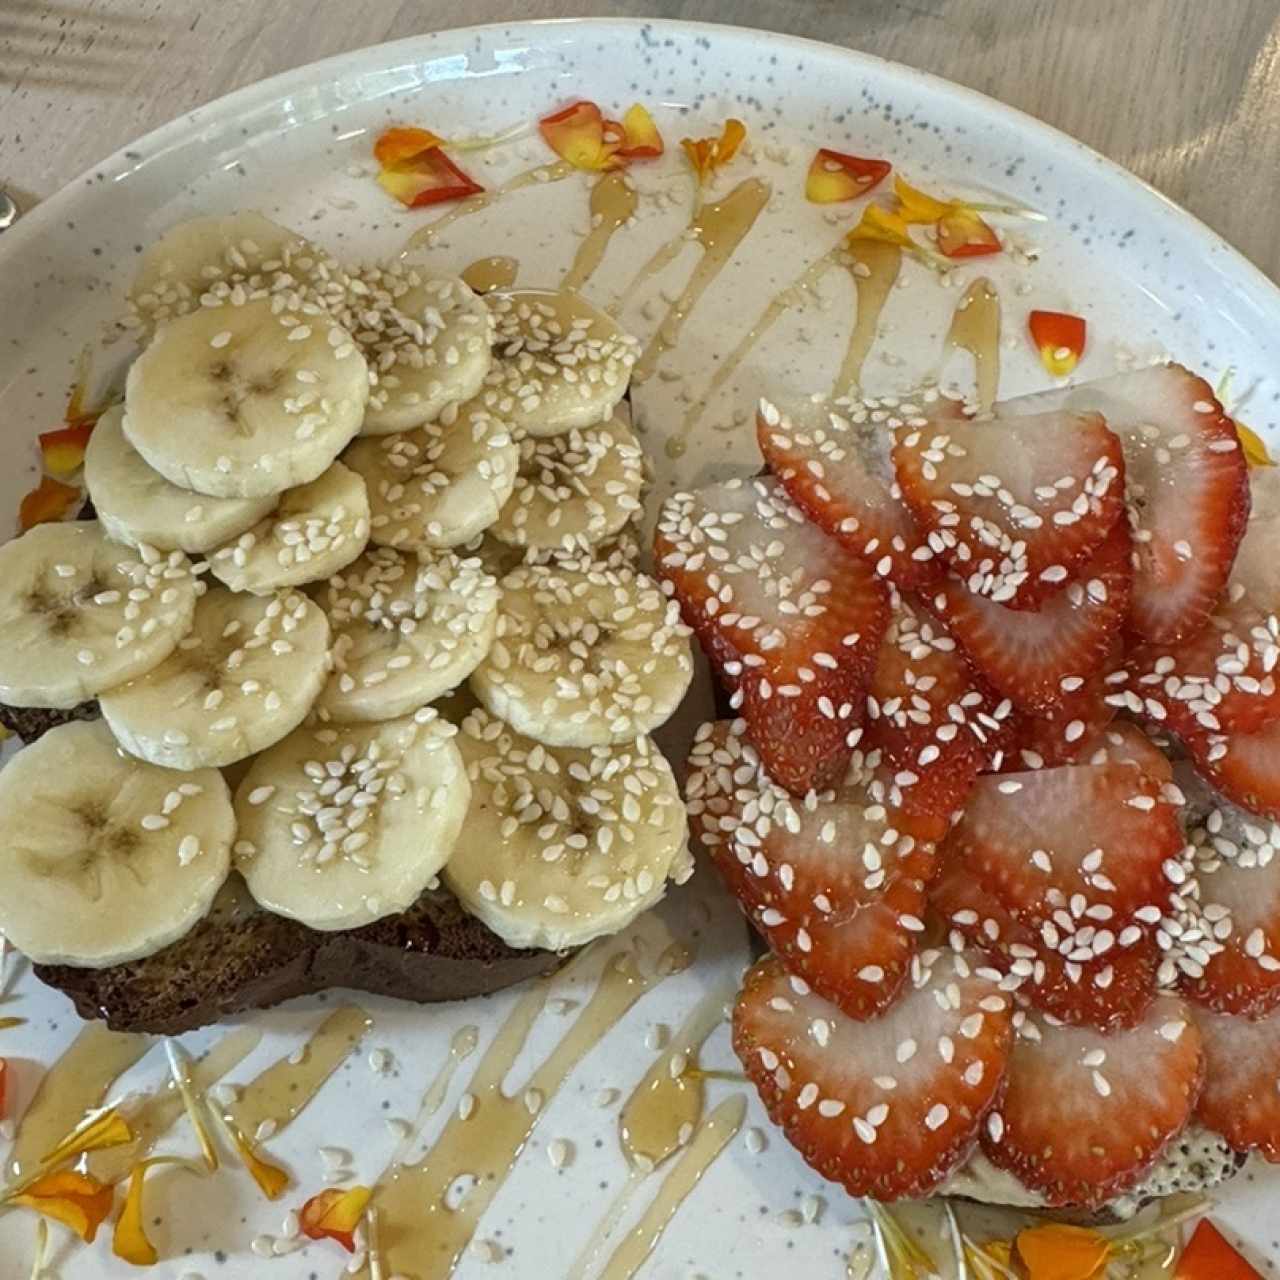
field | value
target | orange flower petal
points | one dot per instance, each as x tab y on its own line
963	234
271	1179
49	500
130	1239
1208	1256
63	450
578	135
881	225
76	1200
915	205
1058	1252
399	145
640	137
835	176
335	1214
430	177
706	155
1059	337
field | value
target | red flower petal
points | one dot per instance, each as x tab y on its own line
49	500
835	176
1209	1257
63	450
963	234
640	137
1059	337
582	136
334	1215
430	177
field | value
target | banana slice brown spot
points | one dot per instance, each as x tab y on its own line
574	490
340	826
246	675
562	845
559	362
316	530
103	858
80	614
585	655
406	630
441	485
244	401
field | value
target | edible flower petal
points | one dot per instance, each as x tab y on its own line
130	1241
63	450
271	1179
334	1215
835	176
1059	338
963	234
580	135
706	155
76	1200
401	143
885	227
1208	1256
1251	445
1059	1252
640	137
430	177
109	1129
49	500
4	1085
916	206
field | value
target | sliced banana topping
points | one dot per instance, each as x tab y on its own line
316	529
80	614
342	826
563	845
243	401
405	630
105	859
137	505
441	485
622	551
208	260
584	655
427	339
559	363
573	490
244	677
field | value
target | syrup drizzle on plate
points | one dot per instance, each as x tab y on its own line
613	204
485	275
875	268
975	328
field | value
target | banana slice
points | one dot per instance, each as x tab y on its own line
242	401
441	485
622	551
137	505
245	676
427	340
105	859
584	655
563	845
80	614
342	826
316	530
406	630
573	490
206	260
560	362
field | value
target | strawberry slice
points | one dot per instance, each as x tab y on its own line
1241	1098
1038	656
1078	839
833	459
935	721
790	620
886	1107
1187	487
1070	731
1015	506
1245	767
1087	1112
1087	978
1235	864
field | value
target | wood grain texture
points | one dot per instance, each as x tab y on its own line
1185	94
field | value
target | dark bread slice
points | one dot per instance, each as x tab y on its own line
243	957
30	723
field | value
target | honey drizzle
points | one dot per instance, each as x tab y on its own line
613	203
461	1047
710	1139
541	174
285	1088
487	274
975	328
75	1085
719	228
881	262
421	1236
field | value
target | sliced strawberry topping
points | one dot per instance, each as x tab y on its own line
1076	840
1087	1112
1015	506
1187	487
1241	1098
1037	657
886	1107
833	459
1086	978
1125	742
1245	767
1070	731
790	619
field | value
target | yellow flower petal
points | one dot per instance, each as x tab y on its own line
916	206
1251	445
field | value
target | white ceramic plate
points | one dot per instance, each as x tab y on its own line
1147	276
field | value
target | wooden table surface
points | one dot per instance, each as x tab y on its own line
1187	95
